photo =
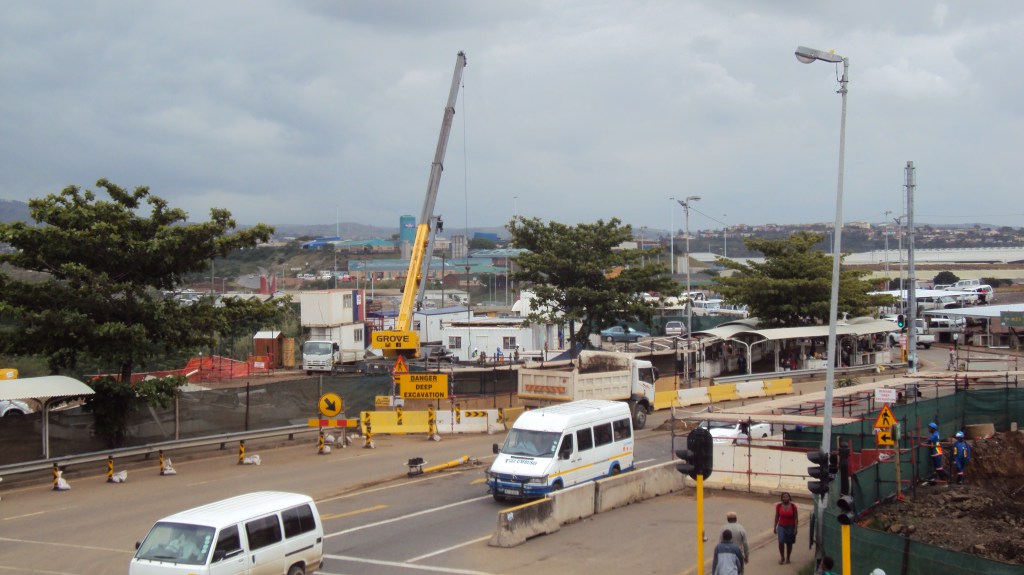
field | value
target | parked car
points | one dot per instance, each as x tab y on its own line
675	328
736	431
13	407
620	333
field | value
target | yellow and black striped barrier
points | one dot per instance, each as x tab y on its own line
241	451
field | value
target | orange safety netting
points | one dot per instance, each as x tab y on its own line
215	368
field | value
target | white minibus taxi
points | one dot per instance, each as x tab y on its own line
262	532
554	447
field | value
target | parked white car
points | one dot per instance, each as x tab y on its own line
736	431
13	407
675	328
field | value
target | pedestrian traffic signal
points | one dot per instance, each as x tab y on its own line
847	515
901	321
819	472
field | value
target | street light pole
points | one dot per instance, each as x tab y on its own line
806	56
689	297
672	239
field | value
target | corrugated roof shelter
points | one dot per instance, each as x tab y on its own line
44	389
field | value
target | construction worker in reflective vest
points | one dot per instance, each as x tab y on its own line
961	456
935	450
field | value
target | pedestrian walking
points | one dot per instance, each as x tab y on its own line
961	456
786	520
934	444
739	534
728	557
951	365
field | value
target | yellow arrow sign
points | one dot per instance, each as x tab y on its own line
330	404
885	419
884	438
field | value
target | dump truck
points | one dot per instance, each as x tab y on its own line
592	375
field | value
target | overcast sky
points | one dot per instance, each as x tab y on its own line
315	111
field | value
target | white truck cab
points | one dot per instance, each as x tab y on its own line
558	446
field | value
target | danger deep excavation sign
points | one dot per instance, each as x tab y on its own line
423	385
395	340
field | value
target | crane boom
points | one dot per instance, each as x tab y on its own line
419	258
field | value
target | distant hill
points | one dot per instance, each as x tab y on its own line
13	211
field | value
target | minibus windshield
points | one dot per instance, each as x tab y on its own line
177	543
531	443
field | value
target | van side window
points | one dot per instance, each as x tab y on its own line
263	531
298	520
622	429
566	446
229	542
603	434
584	440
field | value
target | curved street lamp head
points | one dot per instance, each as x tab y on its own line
808	55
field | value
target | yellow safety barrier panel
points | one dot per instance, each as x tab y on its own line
511	414
664	399
723	392
392	422
781	386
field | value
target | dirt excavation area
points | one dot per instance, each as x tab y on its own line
984	516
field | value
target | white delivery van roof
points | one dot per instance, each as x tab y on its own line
559	417
236	509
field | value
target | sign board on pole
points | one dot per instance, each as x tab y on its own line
885	419
423	385
400	366
330	404
885	395
884	438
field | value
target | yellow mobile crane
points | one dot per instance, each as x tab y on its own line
402	340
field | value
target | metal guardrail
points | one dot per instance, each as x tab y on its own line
206	441
857	369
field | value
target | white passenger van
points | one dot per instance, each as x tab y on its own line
263	532
561	445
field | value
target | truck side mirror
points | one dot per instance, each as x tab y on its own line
495	448
336	347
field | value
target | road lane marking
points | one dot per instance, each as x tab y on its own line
478	481
52	544
403	565
447	549
350	513
402	518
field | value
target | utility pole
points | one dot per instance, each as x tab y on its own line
912	290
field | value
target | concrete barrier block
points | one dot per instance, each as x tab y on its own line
747	389
517	524
693	396
637	485
780	386
724	392
574	503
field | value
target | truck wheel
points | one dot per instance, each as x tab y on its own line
296	570
310	372
639	415
927	346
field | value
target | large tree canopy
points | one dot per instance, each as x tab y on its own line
104	265
792	287
578	273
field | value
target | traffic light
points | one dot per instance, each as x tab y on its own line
901	321
847	516
699	454
819	472
689	465
833	465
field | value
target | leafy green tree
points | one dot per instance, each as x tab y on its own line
945	277
578	273
105	265
792	287
481	244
